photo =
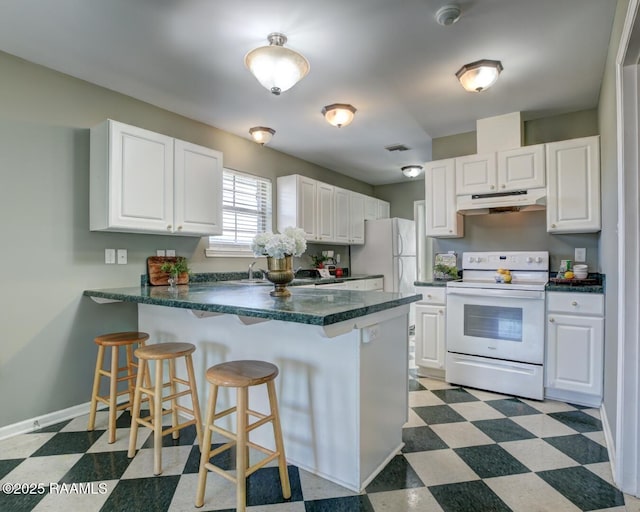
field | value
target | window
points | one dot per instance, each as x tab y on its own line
246	211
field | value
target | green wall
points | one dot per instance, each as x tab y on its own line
49	254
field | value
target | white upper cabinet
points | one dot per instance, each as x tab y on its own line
521	168
370	208
512	169
325	212
384	209
297	204
145	182
197	189
356	218
442	219
476	174
342	215
573	185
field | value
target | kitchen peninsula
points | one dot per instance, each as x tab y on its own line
342	354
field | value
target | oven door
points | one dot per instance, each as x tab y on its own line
497	323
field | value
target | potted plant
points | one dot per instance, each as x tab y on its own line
318	261
176	269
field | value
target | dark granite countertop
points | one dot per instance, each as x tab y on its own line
430	283
576	287
306	305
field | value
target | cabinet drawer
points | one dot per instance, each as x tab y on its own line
432	294
576	303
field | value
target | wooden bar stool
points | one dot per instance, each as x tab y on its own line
115	341
241	375
159	353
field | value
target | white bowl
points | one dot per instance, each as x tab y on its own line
580	275
580	268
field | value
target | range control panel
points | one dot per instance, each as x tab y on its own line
512	260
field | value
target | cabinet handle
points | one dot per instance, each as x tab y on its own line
169	227
504	186
440	312
553	225
451	231
574	302
429	295
551	320
179	228
492	187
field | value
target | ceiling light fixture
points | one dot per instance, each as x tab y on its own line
448	15
277	68
262	134
411	171
479	75
339	114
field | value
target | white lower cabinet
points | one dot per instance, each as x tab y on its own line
575	346
430	317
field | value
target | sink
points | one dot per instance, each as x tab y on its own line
263	282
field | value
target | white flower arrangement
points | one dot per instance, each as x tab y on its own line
278	245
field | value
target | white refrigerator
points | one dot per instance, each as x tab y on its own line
389	249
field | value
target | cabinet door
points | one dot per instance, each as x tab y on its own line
476	174
574	353
442	220
141	179
307	206
384	209
521	168
341	215
356	218
325	212
573	186
430	336
198	189
370	208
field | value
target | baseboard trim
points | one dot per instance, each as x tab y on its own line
608	438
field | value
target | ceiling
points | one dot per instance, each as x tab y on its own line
388	58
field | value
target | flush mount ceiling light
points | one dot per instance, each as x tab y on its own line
262	134
411	171
339	114
479	75
277	68
448	15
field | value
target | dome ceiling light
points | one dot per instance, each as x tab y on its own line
448	15
479	75
339	114
411	171
262	134
277	68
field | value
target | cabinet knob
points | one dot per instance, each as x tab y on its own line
492	187
440	312
551	320
451	231
553	225
169	227
429	295
574	302
179	228
503	186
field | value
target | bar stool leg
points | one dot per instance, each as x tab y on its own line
277	433
157	421
130	373
96	389
194	398
113	394
174	401
241	449
205	444
135	410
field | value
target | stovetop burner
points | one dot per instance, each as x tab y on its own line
529	270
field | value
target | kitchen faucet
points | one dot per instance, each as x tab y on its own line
251	268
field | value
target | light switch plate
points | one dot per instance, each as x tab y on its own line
171	252
110	256
160	252
122	256
580	254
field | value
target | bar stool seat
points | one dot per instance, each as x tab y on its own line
241	375
114	341
160	352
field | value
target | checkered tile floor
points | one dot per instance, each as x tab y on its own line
466	450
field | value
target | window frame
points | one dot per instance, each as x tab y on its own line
216	249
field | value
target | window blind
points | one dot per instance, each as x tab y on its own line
246	211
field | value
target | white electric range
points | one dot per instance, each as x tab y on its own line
496	330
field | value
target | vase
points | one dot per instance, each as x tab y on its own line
280	273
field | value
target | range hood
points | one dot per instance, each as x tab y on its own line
496	134
503	202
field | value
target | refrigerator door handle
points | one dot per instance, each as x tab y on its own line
400	245
400	271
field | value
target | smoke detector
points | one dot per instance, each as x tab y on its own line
448	15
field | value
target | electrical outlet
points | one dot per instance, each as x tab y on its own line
171	252
370	333
160	252
110	256
580	254
122	256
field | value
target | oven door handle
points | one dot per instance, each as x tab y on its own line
497	293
